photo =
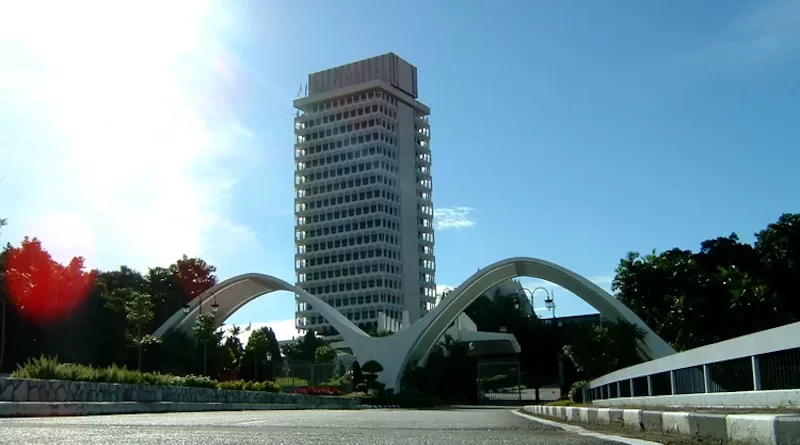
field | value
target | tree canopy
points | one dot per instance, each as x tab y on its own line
90	316
726	289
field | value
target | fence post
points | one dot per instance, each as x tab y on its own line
619	389
649	385
672	382
756	373
311	379
706	378
630	383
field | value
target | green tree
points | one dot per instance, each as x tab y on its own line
193	275
371	369
256	350
138	312
304	349
234	345
205	331
325	354
726	289
598	350
778	248
292	352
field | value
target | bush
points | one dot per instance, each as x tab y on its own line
49	368
319	391
372	367
337	381
576	391
195	381
241	385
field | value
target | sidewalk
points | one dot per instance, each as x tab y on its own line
749	429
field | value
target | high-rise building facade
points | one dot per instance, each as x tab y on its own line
363	207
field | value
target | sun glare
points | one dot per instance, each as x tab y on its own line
126	97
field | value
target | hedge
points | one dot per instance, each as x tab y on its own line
50	368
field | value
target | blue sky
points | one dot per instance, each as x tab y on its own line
569	131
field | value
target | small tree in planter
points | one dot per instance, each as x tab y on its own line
371	369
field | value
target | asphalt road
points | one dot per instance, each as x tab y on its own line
364	427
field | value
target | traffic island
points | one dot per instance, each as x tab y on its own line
731	428
33	397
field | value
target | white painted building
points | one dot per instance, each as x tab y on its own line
364	215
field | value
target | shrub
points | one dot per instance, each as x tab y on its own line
319	391
337	381
232	385
49	368
372	367
241	385
195	381
576	391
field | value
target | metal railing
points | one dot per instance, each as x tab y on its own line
291	376
764	361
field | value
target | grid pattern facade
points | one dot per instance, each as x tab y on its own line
353	230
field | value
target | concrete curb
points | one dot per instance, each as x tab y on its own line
48	409
752	429
380	406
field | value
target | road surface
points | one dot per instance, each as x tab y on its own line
363	427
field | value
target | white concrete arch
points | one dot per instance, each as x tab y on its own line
435	322
415	342
235	292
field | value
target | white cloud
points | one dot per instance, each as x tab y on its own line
115	140
453	218
284	329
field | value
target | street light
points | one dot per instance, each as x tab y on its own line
548	302
214	306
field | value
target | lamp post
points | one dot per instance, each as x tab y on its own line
548	301
550	304
214	310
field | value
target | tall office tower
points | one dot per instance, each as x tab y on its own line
364	215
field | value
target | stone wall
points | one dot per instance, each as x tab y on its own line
30	390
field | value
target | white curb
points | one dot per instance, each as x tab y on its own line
756	429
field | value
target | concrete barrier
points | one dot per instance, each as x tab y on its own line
50	409
750	429
31	397
632	418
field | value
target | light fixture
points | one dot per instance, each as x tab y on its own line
214	306
186	308
268	356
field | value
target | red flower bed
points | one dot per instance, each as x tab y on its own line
319	390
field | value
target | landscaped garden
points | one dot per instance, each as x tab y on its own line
49	368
